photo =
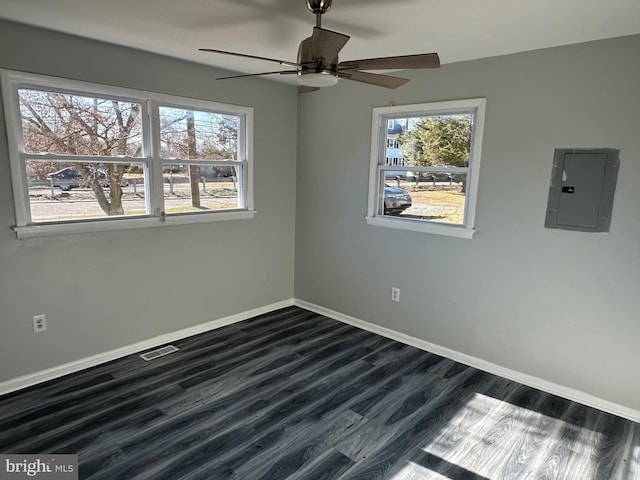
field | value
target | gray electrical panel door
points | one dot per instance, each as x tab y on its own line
581	192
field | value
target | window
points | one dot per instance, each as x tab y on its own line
424	166
200	145
91	157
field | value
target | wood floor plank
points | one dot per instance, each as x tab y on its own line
106	458
537	429
197	450
251	376
424	465
490	423
308	405
398	386
91	435
328	358
568	449
293	394
283	462
473	430
328	466
38	435
310	432
418	418
609	448
239	418
391	416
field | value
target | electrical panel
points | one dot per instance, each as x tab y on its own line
583	182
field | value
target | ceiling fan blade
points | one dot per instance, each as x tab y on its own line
403	62
282	72
326	43
304	89
244	55
386	81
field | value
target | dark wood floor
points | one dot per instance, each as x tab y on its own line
292	394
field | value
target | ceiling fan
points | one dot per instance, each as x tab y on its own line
318	64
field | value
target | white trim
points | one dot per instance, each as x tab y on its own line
421	226
18	179
128	223
523	378
477	134
154	176
446	107
403	168
246	151
378	132
125	94
77	365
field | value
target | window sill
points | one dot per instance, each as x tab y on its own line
422	226
70	228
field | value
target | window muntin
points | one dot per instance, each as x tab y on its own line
115	136
431	152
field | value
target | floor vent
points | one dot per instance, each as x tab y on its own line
160	352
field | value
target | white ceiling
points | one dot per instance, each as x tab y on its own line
456	29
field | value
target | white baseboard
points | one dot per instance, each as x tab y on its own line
77	365
529	380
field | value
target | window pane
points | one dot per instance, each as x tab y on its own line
192	134
69	124
429	141
437	197
200	188
75	190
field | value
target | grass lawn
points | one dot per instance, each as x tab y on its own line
449	205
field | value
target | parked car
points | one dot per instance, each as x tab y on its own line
396	200
70	177
66	179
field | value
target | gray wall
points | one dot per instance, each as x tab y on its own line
103	291
562	306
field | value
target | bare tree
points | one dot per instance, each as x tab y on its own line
192	152
70	125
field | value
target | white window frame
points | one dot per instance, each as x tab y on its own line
12	81
381	116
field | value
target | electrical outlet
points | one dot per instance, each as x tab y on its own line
39	323
395	294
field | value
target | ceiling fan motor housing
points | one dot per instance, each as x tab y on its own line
319	6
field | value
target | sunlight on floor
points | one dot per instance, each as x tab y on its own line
489	438
634	466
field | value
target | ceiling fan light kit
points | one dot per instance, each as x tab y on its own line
318	65
317	79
